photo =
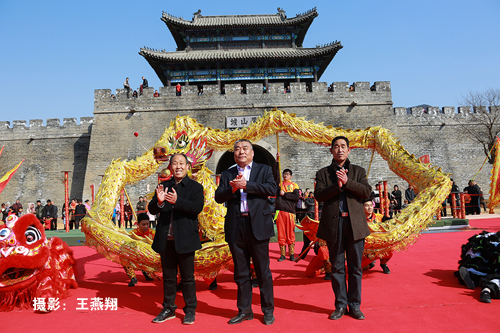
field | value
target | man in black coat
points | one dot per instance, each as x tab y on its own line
50	213
475	193
80	212
396	194
410	194
342	187
178	200
248	226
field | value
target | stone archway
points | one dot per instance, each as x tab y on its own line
262	156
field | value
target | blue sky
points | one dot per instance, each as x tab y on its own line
55	53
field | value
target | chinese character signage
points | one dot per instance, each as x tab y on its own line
239	121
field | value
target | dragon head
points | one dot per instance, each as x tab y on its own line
23	251
195	149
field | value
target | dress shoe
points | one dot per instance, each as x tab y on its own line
357	314
269	319
385	269
189	318
338	313
165	314
464	274
328	276
292	257
369	266
282	258
241	317
132	282
485	297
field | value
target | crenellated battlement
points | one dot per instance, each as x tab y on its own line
434	113
418	111
275	94
37	124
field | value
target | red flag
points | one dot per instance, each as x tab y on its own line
425	159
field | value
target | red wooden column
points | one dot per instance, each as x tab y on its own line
316	205
386	199
66	198
92	192
122	204
381	198
454	205
462	206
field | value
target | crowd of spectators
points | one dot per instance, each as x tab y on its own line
51	215
135	94
129	215
48	214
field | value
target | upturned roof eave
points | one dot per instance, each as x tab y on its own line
182	24
216	55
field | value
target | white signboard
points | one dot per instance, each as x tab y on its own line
239	121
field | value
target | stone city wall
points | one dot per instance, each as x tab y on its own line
88	150
46	150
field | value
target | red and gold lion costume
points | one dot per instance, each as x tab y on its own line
32	266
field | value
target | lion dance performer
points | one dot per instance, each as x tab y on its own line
372	218
33	269
143	231
320	263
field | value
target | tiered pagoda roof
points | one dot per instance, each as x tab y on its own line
177	25
220	48
249	54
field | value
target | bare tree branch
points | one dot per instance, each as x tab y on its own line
483	124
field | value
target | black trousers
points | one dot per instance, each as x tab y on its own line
346	247
307	241
170	259
53	224
247	246
128	221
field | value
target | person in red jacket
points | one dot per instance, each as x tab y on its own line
372	217
143	231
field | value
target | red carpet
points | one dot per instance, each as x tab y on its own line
484	222
421	294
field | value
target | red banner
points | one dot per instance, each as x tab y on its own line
6	178
425	159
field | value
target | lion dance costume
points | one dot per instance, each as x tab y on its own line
31	265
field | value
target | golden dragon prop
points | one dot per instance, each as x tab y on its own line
120	246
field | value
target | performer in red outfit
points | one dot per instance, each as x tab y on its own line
320	263
372	217
143	231
287	196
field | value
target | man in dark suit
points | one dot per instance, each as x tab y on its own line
50	214
248	227
178	200
342	186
